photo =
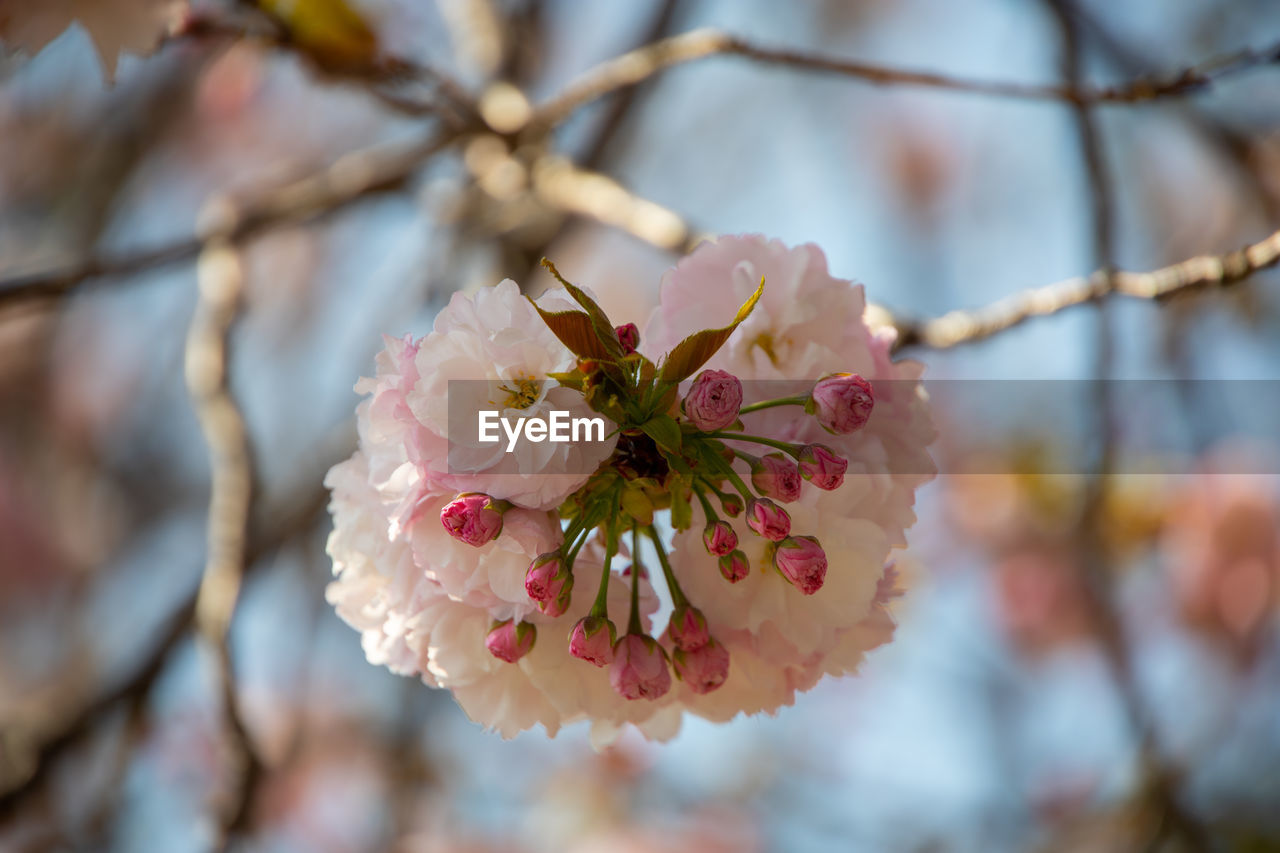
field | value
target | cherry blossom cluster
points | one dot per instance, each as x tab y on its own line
724	547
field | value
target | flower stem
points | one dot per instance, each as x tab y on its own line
612	498
573	551
677	594
789	447
707	509
711	487
728	471
634	625
600	606
798	400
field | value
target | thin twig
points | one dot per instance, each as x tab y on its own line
1232	145
75	726
1199	273
272	531
220	273
1096	577
375	72
639	65
350	179
619	108
596	196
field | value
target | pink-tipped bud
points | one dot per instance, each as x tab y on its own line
821	466
688	628
628	336
703	669
473	518
842	402
592	640
803	562
546	576
775	476
767	519
734	566
713	401
639	668
510	640
732	505
557	605
720	538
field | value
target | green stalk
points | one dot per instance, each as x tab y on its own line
789	447
634	626
727	470
799	400
712	518
613	498
600	607
677	594
573	552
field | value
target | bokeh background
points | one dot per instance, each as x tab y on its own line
1081	663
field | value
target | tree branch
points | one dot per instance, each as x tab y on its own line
350	179
566	187
272	531
449	99
221	286
1195	274
639	65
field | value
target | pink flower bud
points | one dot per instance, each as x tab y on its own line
472	518
546	576
775	476
734	566
639	668
557	605
842	402
592	640
802	561
732	505
821	466
713	401
703	669
510	640
688	628
629	337
768	519
720	538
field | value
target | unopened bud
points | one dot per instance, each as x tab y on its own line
720	538
842	402
510	640
704	668
767	519
801	561
592	640
639	669
473	518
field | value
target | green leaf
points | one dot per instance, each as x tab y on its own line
664	430
569	379
600	322
681	509
693	351
638	505
676	462
604	401
575	331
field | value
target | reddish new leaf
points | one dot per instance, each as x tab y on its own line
693	351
